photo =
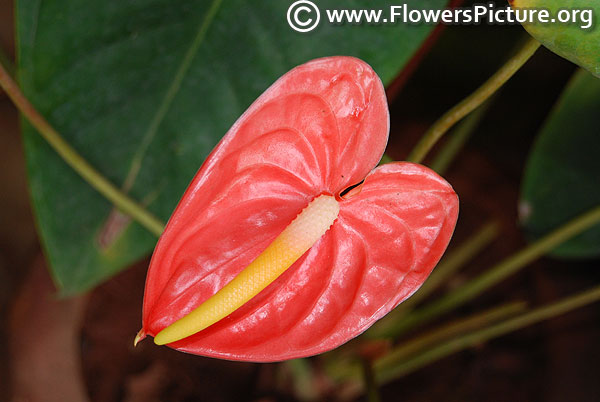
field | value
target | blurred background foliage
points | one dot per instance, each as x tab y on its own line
102	73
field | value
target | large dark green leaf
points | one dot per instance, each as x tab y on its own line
562	178
577	41
149	87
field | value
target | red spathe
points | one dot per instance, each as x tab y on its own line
319	129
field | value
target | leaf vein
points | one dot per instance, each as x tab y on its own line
172	91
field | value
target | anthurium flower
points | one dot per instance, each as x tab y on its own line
268	256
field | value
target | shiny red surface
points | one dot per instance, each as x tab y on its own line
320	128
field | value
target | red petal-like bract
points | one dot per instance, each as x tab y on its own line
319	129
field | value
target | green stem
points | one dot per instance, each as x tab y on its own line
465	341
467	105
423	341
343	369
76	161
502	270
458	138
392	324
369	381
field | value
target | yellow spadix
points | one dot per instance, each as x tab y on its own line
291	244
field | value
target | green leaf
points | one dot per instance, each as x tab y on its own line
577	41
144	89
562	177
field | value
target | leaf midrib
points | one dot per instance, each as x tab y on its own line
170	95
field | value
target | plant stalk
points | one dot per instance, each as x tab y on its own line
369	381
470	103
422	342
350	371
458	138
123	202
468	340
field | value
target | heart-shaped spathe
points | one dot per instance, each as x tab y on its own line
319	129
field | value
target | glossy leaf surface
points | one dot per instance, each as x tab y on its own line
562	177
579	45
144	90
318	130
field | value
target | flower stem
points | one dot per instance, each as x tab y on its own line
458	138
369	381
477	321
344	370
466	106
126	204
502	270
461	342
